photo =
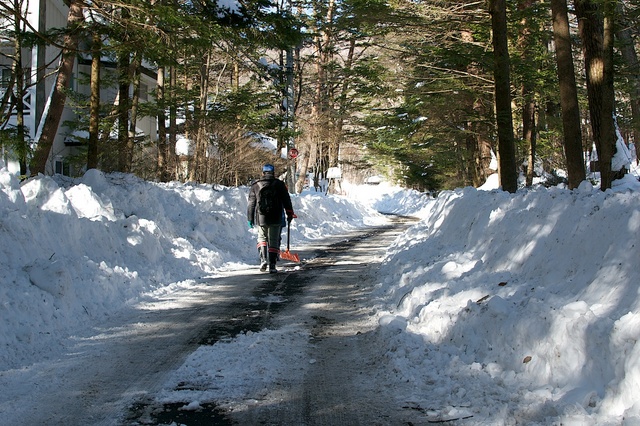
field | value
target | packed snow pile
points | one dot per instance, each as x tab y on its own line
497	308
532	300
78	250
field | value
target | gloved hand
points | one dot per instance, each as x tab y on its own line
250	223
291	216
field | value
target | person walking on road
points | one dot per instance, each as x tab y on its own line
268	197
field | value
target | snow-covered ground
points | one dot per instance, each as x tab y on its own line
510	308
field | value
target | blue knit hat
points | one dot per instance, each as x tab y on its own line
268	168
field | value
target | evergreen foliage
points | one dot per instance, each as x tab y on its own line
403	88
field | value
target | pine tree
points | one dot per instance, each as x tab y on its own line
75	23
504	118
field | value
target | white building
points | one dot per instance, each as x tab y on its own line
40	64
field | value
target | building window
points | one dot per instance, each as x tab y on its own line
144	92
5	78
61	168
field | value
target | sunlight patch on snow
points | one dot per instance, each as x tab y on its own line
634	222
455	269
537	309
265	358
318	306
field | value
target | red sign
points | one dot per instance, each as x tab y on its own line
293	153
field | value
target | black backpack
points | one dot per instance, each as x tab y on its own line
268	199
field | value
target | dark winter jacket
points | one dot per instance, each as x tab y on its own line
283	199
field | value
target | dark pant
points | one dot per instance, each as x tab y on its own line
269	237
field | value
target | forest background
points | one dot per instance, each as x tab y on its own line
427	92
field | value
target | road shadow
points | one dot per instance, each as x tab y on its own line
270	296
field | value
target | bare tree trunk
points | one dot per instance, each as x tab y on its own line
591	27
476	160
173	127
568	94
236	75
342	105
472	166
506	144
303	161
59	95
529	134
135	102
162	170
608	141
18	72
320	120
189	133
41	58
629	54
199	174
94	113
529	128
123	112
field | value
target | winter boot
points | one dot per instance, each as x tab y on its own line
273	257
264	258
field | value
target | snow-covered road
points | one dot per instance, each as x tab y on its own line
124	360
122	373
335	376
497	308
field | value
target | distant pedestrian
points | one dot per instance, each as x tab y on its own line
268	197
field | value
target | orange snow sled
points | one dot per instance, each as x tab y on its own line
287	254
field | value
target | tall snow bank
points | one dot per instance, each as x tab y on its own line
537	290
75	251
